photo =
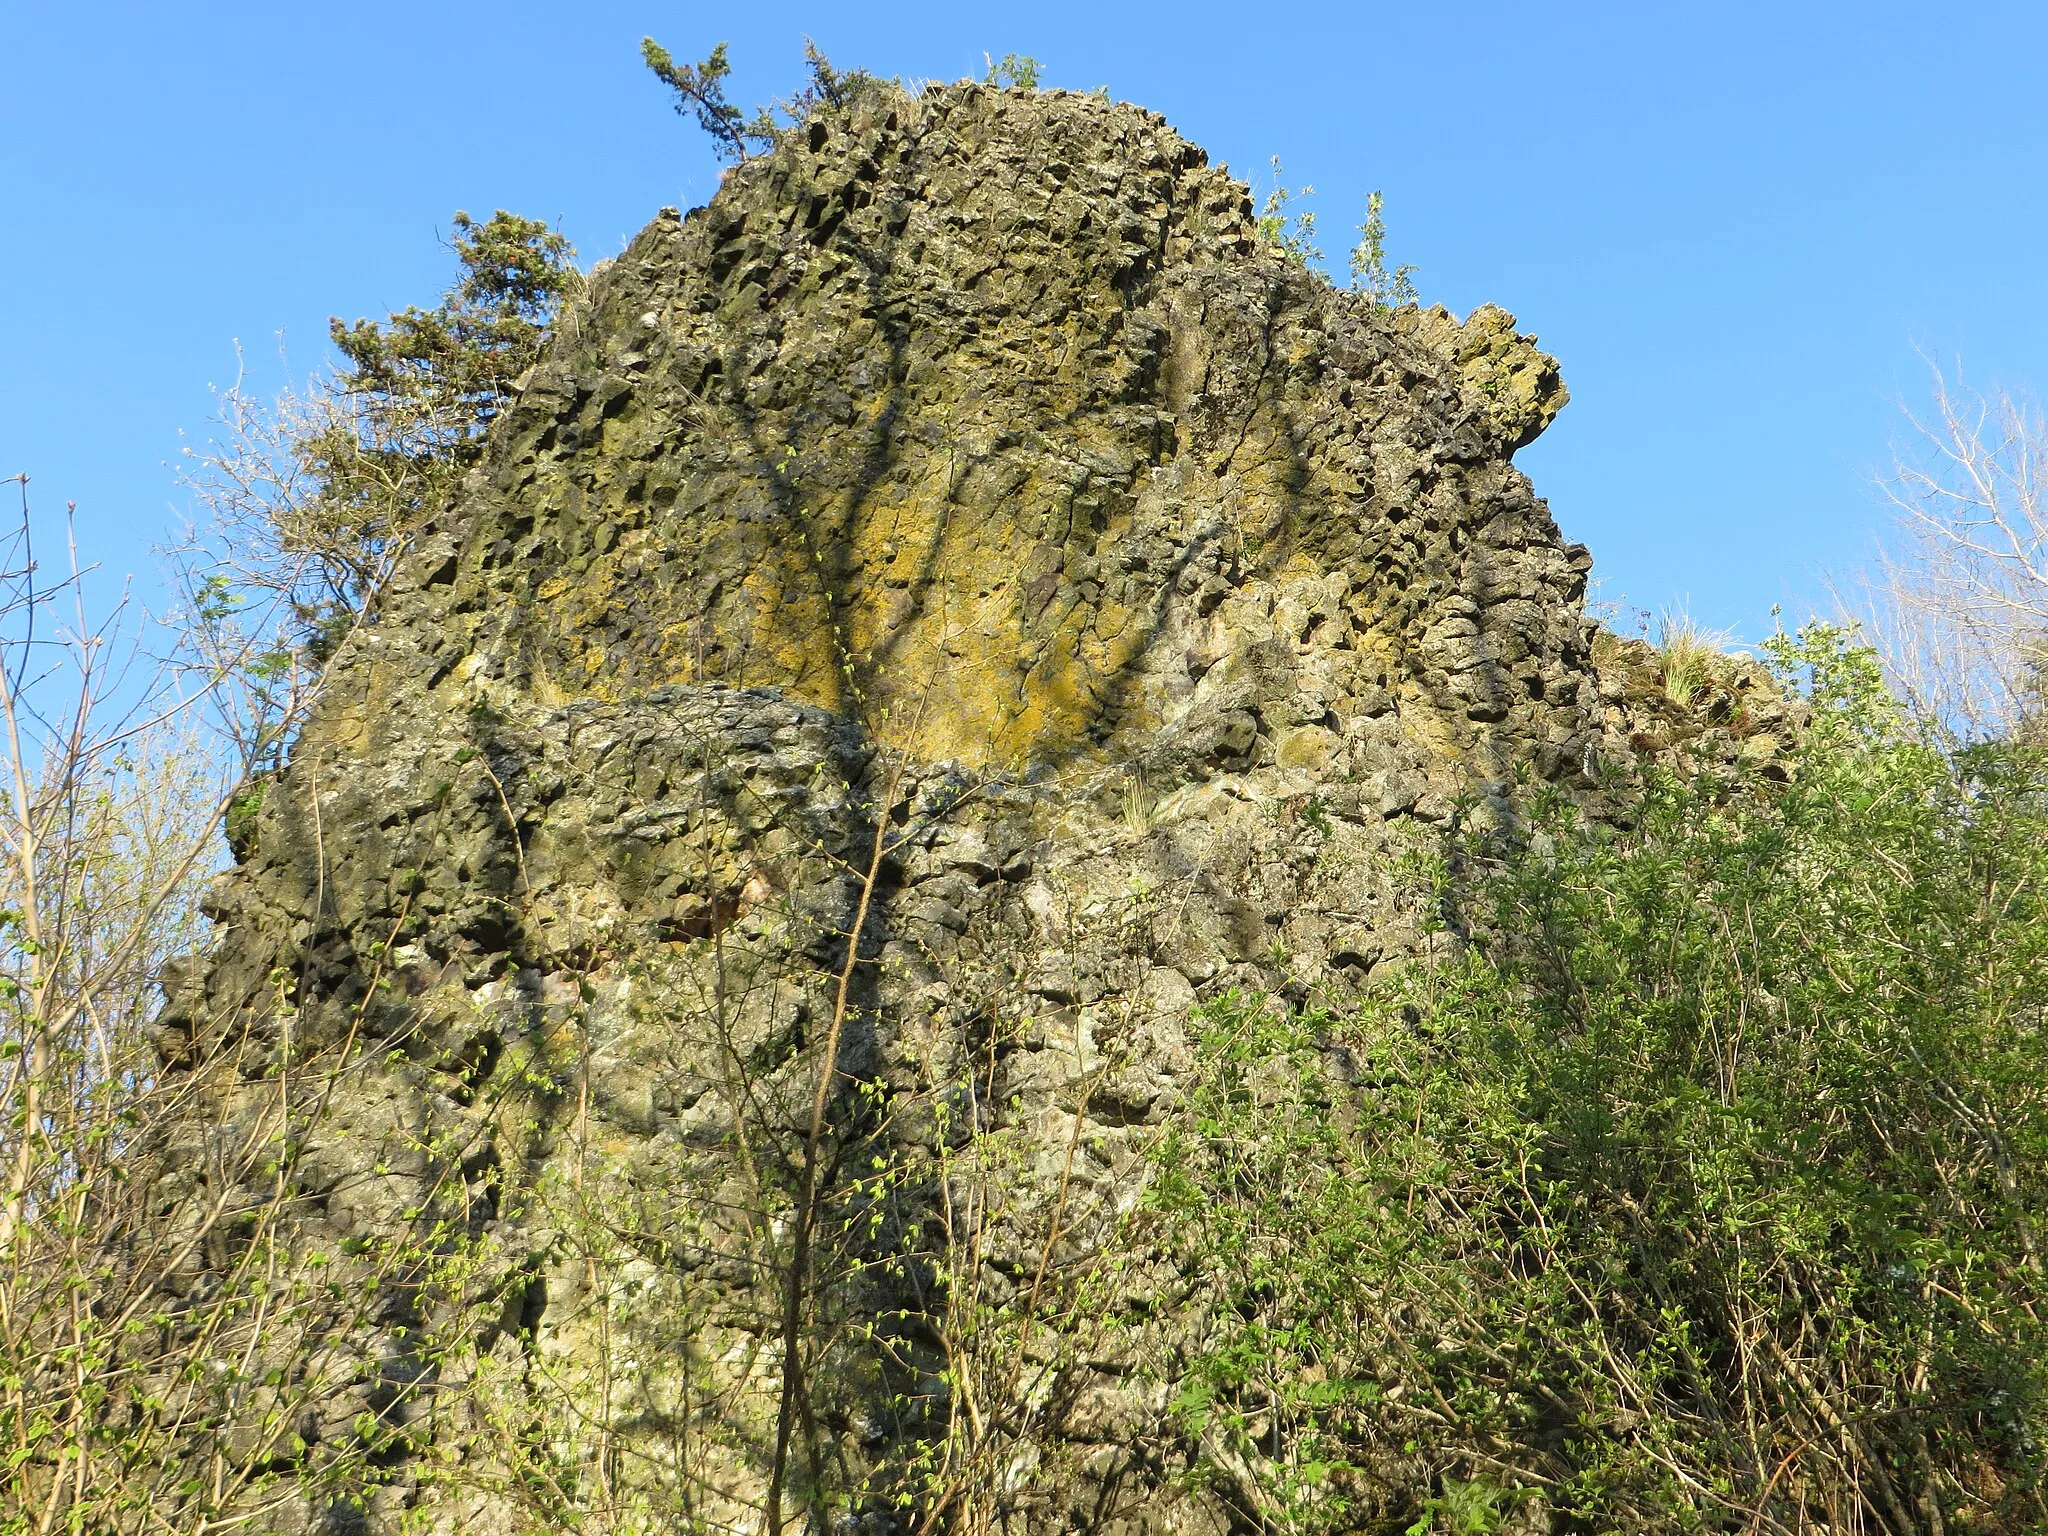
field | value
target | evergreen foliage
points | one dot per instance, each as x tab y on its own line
827	88
700	93
454	365
309	501
420	391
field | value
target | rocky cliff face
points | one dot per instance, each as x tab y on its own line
966	542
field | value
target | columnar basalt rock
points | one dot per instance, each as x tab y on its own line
968	470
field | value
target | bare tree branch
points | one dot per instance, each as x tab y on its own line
1956	602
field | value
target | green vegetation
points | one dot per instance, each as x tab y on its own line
700	93
1702	1192
308	502
1294	236
457	362
1692	1183
1369	274
428	383
1018	70
1689	656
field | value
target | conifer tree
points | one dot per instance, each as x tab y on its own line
310	501
700	93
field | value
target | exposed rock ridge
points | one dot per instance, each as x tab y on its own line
967	466
994	410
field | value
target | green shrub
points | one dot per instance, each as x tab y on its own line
1702	1192
1369	275
1293	236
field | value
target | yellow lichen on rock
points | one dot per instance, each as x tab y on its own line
970	494
936	459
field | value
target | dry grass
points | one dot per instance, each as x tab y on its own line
1689	656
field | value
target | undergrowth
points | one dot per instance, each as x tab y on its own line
1701	1193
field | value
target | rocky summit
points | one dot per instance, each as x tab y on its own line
724	946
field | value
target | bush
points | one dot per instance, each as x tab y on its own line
1703	1192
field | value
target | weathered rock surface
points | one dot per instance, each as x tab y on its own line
968	468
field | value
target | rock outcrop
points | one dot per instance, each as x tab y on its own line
967	540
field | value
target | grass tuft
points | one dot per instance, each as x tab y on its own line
1689	655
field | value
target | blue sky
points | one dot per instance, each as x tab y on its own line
1733	224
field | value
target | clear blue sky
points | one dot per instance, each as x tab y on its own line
1733	223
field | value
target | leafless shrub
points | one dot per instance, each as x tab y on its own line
1957	601
155	1338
